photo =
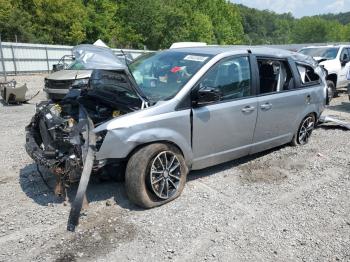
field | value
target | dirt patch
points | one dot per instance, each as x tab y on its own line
98	235
255	173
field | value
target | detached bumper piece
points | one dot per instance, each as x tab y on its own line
13	94
334	120
41	157
74	214
66	146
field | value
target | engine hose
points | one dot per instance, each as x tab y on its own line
77	204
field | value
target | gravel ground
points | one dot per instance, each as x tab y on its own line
287	204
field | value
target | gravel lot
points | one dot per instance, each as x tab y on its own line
287	204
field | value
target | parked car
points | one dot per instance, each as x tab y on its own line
76	74
336	60
179	110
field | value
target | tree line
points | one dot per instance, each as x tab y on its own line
156	24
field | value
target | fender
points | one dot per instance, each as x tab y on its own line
119	142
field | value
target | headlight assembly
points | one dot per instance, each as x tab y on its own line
80	82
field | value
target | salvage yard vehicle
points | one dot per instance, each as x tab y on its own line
178	110
76	74
336	60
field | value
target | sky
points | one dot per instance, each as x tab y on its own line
299	8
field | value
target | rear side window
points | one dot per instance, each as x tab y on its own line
308	75
275	76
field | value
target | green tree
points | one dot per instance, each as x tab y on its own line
57	22
202	28
101	22
15	21
311	30
143	20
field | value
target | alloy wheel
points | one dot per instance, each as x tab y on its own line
165	174
306	129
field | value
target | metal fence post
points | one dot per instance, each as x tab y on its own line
14	59
47	60
3	60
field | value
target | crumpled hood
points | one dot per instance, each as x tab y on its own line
69	74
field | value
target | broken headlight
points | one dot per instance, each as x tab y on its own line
99	139
79	83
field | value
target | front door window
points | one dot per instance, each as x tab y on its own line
231	77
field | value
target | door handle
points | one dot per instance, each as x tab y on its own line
248	109
266	106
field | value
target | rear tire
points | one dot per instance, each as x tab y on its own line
155	174
331	90
302	136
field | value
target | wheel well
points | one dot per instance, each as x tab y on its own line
155	142
314	114
333	78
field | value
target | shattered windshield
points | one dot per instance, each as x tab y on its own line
324	52
162	75
94	57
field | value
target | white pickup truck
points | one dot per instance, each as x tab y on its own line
336	60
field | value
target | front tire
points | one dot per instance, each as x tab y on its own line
155	174
302	136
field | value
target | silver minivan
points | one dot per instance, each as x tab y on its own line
178	110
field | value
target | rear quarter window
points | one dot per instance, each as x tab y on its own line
308	75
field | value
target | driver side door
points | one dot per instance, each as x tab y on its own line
223	130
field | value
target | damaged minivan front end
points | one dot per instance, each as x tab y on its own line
60	135
57	136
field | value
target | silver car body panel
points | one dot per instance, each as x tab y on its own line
226	120
219	132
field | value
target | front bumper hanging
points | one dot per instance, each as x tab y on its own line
77	204
47	158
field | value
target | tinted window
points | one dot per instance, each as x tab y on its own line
275	76
231	77
307	74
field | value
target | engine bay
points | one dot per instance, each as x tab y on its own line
59	132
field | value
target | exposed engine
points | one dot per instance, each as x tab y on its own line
60	130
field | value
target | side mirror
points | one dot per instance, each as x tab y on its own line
207	95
